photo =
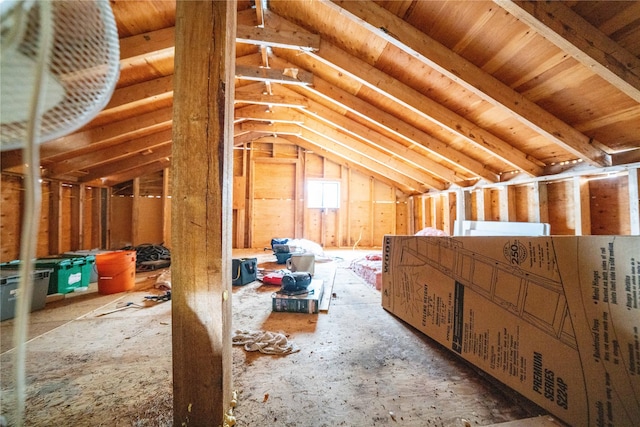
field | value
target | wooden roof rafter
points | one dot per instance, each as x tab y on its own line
394	30
586	43
388	87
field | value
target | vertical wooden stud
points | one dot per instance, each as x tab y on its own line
436	211
372	208
77	216
166	207
483	200
250	189
463	209
95	240
411	216
506	203
540	202
634	201
582	212
135	213
55	216
202	174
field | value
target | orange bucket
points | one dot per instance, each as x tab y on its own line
116	271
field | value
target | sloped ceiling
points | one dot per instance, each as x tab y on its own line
423	95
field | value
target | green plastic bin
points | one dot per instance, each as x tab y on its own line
66	275
89	268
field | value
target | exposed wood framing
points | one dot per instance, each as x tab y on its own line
634	201
586	43
394	30
55	216
202	185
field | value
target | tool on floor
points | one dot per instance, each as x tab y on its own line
164	297
127	305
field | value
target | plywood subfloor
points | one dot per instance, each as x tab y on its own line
357	365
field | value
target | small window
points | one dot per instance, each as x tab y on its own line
323	194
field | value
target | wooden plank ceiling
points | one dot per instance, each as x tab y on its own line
423	95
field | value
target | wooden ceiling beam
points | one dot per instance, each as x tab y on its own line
143	44
275	38
269	114
346	162
239	140
407	151
256	93
377	20
393	148
114	133
374	153
136	92
107	154
584	42
272	128
292	76
394	125
118	166
408	97
124	176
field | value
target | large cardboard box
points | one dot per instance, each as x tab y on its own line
555	318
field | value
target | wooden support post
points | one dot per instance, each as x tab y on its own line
166	207
484	204
250	189
428	210
634	201
135	213
372	208
55	217
106	196
95	240
463	209
344	203
77	216
411	215
448	204
202	171
348	214
436	211
582	212
540	202
506	203
299	204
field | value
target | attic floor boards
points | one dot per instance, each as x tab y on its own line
357	365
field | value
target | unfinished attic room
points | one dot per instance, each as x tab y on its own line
375	213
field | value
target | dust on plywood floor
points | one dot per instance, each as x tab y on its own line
356	365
